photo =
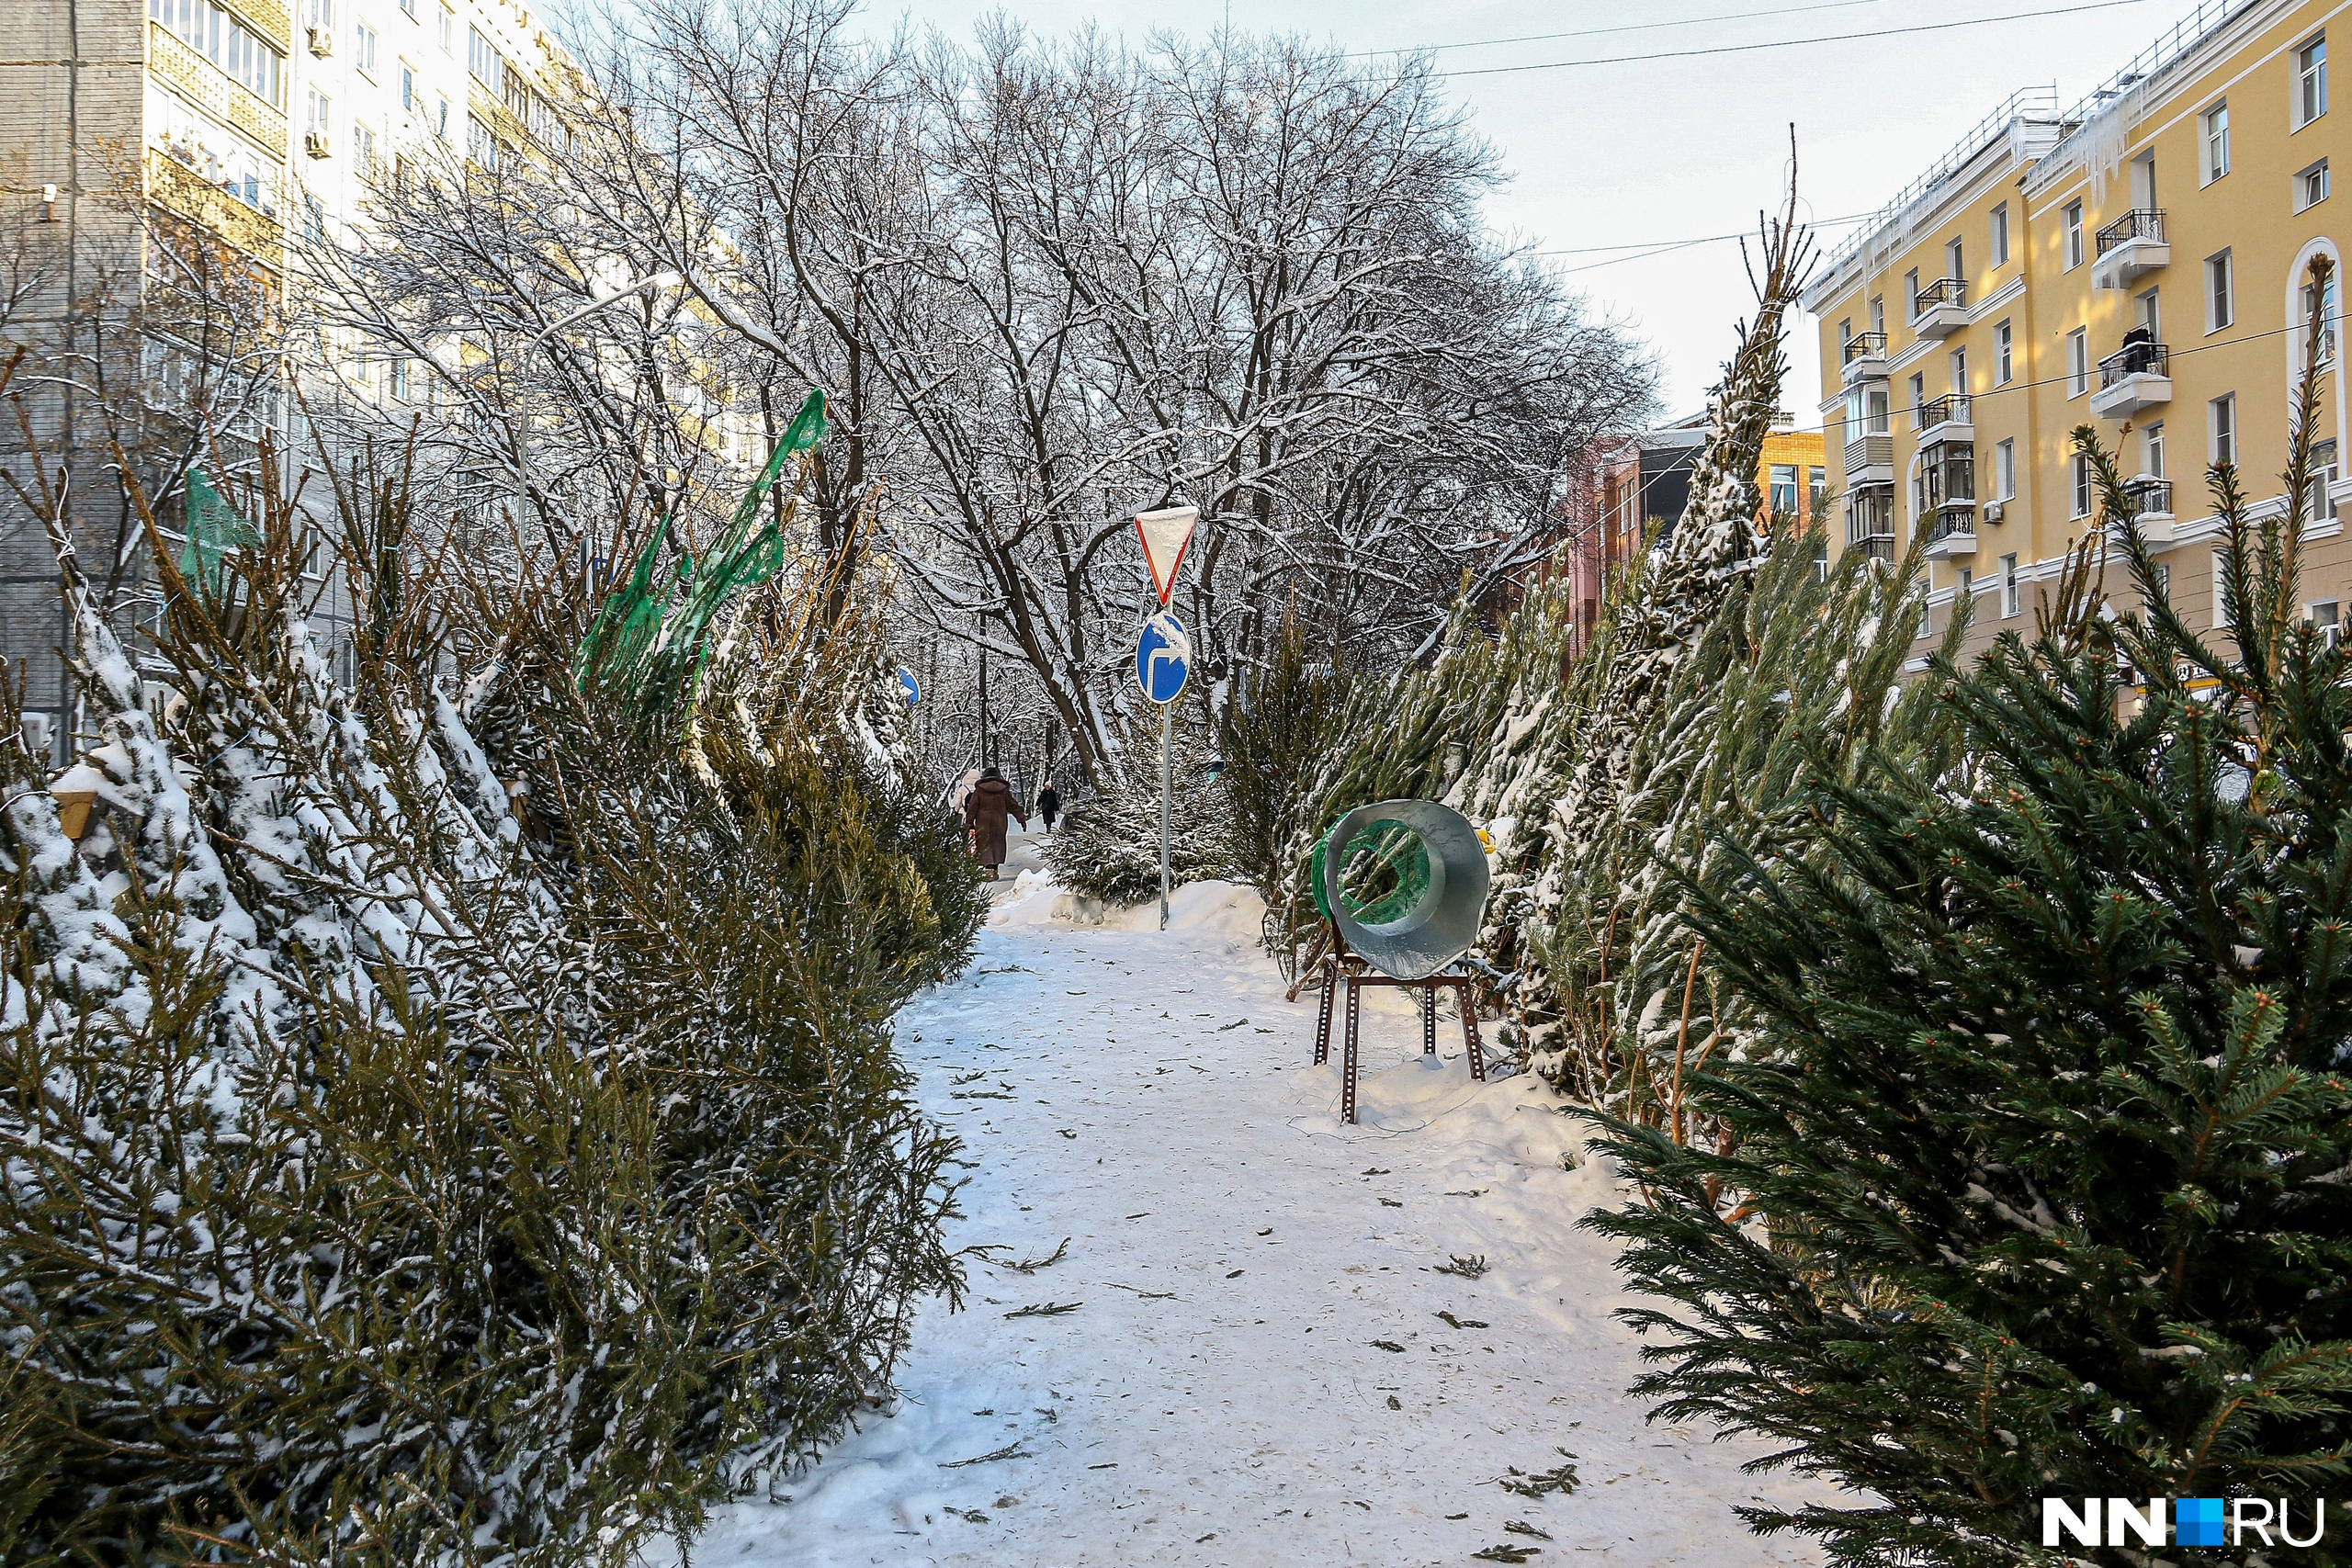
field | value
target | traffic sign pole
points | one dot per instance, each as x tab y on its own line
1166	769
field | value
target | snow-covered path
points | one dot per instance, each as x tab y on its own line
1245	1354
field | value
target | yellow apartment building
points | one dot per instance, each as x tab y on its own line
2136	264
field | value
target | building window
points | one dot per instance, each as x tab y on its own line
1878	313
2326	618
2220	295
316	118
1960	371
319	14
2215	123
1785	488
1967	585
2222	420
408	88
1845	335
2311	186
408	9
363	148
1955	260
2004	470
441	120
448	29
1816	489
2000	226
2081	465
2152	450
2004	367
1911	293
2323	478
482	145
2322	312
1919	395
2079	362
2008	587
482	59
2074	235
398	379
212	32
2311	81
314	218
362	47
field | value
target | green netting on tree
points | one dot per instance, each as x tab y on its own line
1384	869
649	649
214	529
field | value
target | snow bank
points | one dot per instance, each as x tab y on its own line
1208	909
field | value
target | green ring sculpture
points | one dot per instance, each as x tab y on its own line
1407	887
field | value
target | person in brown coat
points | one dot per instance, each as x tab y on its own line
990	803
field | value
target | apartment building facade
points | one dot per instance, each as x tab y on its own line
2137	264
247	122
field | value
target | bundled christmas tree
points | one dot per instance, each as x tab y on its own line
2034	1184
1109	845
399	1176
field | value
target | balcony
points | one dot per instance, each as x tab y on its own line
1944	419
2131	245
1941	309
2136	376
1870	520
2150	500
1865	358
1951	532
1869	459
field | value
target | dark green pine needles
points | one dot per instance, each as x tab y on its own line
2036	1181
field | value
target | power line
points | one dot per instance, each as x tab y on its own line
1794	43
1629	28
1701	239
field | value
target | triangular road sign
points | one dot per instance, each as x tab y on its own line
1165	533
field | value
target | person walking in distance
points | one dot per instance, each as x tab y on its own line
991	802
1049	805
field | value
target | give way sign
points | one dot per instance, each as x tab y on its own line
1165	533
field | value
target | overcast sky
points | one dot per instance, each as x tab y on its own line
1670	149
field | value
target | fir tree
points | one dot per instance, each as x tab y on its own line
1109	845
2036	1186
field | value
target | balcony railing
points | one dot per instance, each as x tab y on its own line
1865	346
2146	494
1949	409
2140	223
1942	291
1958	519
2134	359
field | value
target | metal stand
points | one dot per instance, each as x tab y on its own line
1341	968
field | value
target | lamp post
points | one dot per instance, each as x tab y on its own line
523	436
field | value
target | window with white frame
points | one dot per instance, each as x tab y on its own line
2004	469
2311	186
2009	595
1964	586
2311	81
441	118
2079	362
1785	488
2152	450
2221	293
2221	427
2073	216
319	14
1919	394
1911	293
1958	360
2322	312
2000	235
2221	592
1955	259
2149	311
2080	465
408	9
317	118
2326	618
2316	507
2214	124
399	378
363	148
448	27
1878	312
362	47
2003	364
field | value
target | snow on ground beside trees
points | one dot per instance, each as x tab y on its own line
1254	1368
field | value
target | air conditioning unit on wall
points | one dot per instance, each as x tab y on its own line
1993	512
314	142
321	41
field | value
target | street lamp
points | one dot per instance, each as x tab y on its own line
523	439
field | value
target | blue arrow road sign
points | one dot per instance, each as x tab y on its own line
1163	658
907	685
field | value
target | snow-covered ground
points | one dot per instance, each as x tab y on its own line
1248	1334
